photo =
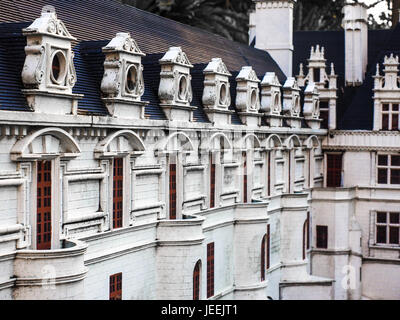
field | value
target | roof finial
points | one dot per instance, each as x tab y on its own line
301	72
332	69
377	70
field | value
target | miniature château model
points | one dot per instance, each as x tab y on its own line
145	159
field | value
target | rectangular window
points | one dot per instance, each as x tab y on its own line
334	170
43	206
390	116
244	177
324	114
118	177
210	269
268	247
212	182
172	191
116	286
317	74
322	237
388	228
388	169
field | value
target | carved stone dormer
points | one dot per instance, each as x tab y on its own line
49	74
291	103
248	96
387	94
311	106
175	90
216	95
123	84
271	101
326	84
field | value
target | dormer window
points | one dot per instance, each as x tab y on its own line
131	79
317	75
222	94
390	116
182	88
58	67
254	99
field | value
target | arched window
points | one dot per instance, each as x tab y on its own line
196	281
263	255
306	235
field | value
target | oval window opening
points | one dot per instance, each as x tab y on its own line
58	67
182	88
131	79
222	94
253	99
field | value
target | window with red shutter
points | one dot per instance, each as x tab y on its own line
196	281
212	182
268	244
118	176
210	269
43	206
334	170
116	286
172	191
322	237
244	177
263	255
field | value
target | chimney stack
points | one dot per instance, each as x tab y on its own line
273	23
355	24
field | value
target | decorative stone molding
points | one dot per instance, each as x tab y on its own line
362	141
386	89
216	94
291	103
311	106
123	83
175	90
45	143
49	73
123	142
248	96
271	102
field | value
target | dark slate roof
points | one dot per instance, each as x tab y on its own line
355	104
94	23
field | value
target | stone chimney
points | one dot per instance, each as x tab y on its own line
273	23
355	26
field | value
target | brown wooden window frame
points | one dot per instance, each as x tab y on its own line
334	174
118	193
386	169
322	236
268	248
390	116
263	257
43	205
196	280
172	190
115	286
210	269
212	181
390	225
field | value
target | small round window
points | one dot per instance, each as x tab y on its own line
253	99
182	88
131	79
222	94
58	67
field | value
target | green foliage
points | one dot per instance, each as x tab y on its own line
229	18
